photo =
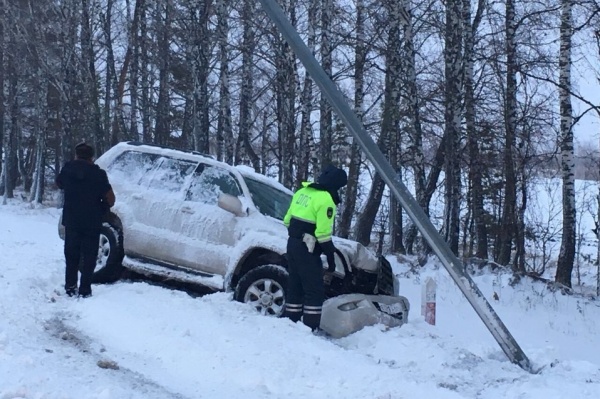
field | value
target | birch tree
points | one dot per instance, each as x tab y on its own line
326	112
243	150
389	120
566	256
90	79
285	92
360	58
2	107
163	104
306	142
224	120
475	164
201	47
453	74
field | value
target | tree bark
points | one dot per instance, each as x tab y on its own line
453	121
163	132
91	80
509	216
225	142
326	113
244	151
564	267
306	142
475	164
360	57
201	68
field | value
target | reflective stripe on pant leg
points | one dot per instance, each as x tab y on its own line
293	311
312	316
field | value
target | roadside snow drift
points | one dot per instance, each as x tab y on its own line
135	340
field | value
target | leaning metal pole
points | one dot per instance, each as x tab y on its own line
454	266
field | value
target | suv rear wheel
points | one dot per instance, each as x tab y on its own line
264	289
109	265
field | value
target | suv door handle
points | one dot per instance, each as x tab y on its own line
187	209
136	196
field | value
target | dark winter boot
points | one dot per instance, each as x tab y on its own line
293	311
71	291
312	316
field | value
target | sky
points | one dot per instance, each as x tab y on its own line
163	343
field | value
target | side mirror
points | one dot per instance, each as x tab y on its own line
231	204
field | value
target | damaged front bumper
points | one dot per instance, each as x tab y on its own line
380	281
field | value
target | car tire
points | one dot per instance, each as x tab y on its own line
264	289
109	264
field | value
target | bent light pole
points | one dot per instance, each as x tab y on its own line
454	266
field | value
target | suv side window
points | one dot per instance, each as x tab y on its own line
208	181
170	175
131	166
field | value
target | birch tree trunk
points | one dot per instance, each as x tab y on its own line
201	68
91	80
475	165
37	191
566	256
453	120
244	150
509	214
134	74
110	68
162	131
11	161
225	142
415	130
2	107
145	79
285	92
389	123
397	18
360	57
326	113
306	142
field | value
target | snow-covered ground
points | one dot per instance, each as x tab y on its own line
155	342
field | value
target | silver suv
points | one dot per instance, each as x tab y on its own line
185	216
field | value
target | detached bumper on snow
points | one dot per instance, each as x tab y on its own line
347	314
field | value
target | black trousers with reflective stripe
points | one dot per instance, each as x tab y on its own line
305	292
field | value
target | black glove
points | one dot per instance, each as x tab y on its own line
329	251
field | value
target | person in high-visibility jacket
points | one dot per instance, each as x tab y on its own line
309	220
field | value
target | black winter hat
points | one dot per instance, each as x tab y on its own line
84	151
333	178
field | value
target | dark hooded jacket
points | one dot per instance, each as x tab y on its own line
86	187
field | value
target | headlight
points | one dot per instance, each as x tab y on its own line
365	259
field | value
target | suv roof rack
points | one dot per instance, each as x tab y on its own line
138	143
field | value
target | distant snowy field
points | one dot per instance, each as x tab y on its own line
160	343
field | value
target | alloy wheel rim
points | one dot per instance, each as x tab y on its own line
266	296
103	251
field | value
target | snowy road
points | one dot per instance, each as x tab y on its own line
167	344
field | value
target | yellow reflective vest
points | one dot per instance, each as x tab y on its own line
313	206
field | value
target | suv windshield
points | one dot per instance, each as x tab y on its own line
269	200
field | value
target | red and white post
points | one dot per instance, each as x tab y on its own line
428	300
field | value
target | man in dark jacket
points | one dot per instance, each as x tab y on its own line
310	226
88	196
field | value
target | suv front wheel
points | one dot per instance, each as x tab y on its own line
109	265
264	288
